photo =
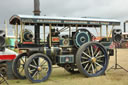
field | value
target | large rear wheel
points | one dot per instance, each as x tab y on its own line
38	68
92	59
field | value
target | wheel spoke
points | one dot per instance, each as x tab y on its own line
38	77
99	61
39	74
89	52
98	64
19	66
22	60
34	62
22	70
39	61
100	56
84	62
97	54
34	74
42	63
95	51
93	70
92	51
84	58
86	66
89	68
33	66
32	70
95	67
86	54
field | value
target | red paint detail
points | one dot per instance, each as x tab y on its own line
96	38
55	39
7	57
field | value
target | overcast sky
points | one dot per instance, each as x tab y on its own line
72	8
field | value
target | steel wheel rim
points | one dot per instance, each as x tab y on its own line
93	59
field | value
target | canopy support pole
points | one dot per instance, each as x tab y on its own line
107	31
69	30
100	31
50	27
16	32
44	31
21	33
111	31
76	27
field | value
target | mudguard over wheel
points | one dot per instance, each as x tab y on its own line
18	66
92	59
38	68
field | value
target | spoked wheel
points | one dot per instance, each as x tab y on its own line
18	66
38	68
92	59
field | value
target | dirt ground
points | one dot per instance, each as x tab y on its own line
61	77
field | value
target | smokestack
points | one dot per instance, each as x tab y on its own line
36	8
37	26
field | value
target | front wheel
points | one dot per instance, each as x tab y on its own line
92	59
38	68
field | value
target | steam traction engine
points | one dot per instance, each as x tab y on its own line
76	50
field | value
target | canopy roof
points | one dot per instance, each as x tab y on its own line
31	19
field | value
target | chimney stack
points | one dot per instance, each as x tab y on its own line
36	8
37	26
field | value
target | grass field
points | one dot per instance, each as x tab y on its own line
61	77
